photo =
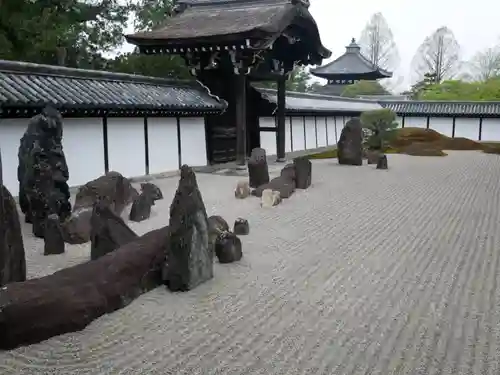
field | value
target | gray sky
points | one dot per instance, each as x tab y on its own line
474	23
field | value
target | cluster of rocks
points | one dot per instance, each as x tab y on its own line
350	147
225	243
296	175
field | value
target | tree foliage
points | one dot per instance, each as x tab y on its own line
488	90
381	125
299	80
377	43
485	65
438	56
75	33
364	88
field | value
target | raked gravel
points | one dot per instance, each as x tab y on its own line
367	272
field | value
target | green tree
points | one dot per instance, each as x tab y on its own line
75	33
364	88
463	91
380	125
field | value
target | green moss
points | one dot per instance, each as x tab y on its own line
328	154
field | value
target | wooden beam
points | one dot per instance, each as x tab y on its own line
280	116
241	118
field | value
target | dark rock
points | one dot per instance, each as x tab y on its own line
350	144
152	190
216	226
69	299
241	227
258	172
12	258
288	172
42	171
382	162
141	208
108	231
53	237
303	172
190	258
228	248
112	188
285	186
372	156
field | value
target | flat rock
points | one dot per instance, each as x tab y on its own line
303	172
228	248
258	171
350	144
12	257
69	299
108	231
141	208
241	227
53	237
190	257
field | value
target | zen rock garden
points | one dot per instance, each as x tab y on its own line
122	264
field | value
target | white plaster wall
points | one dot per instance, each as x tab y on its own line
443	125
415	122
310	133
332	132
467	128
491	129
288	135
399	120
298	134
321	131
193	142
126	146
83	145
268	142
11	131
339	125
162	145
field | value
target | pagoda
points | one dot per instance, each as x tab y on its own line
349	68
229	43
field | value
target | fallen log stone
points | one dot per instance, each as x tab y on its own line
141	208
303	172
241	227
190	257
228	248
382	162
53	236
68	300
12	257
283	185
258	172
108	231
350	144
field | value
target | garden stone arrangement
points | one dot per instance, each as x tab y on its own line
350	144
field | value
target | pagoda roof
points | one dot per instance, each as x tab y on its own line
351	65
257	23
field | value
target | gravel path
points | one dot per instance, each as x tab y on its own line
367	272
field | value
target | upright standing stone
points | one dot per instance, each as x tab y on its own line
350	144
382	162
241	227
303	172
53	237
141	208
258	172
190	258
12	259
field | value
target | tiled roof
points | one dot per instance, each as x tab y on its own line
351	65
215	21
306	102
413	107
33	85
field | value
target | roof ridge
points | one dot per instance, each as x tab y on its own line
319	96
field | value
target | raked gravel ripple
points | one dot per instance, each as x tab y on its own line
367	272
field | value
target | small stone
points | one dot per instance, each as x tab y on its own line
53	237
258	172
382	162
152	190
270	198
303	172
242	190
141	208
228	248
241	227
372	156
216	225
350	144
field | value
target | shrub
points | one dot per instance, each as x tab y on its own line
380	125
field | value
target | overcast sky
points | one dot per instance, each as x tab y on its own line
475	24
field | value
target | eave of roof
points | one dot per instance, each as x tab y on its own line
443	108
27	85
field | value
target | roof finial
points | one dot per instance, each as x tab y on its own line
353	40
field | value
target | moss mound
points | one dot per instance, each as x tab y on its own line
423	149
328	154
